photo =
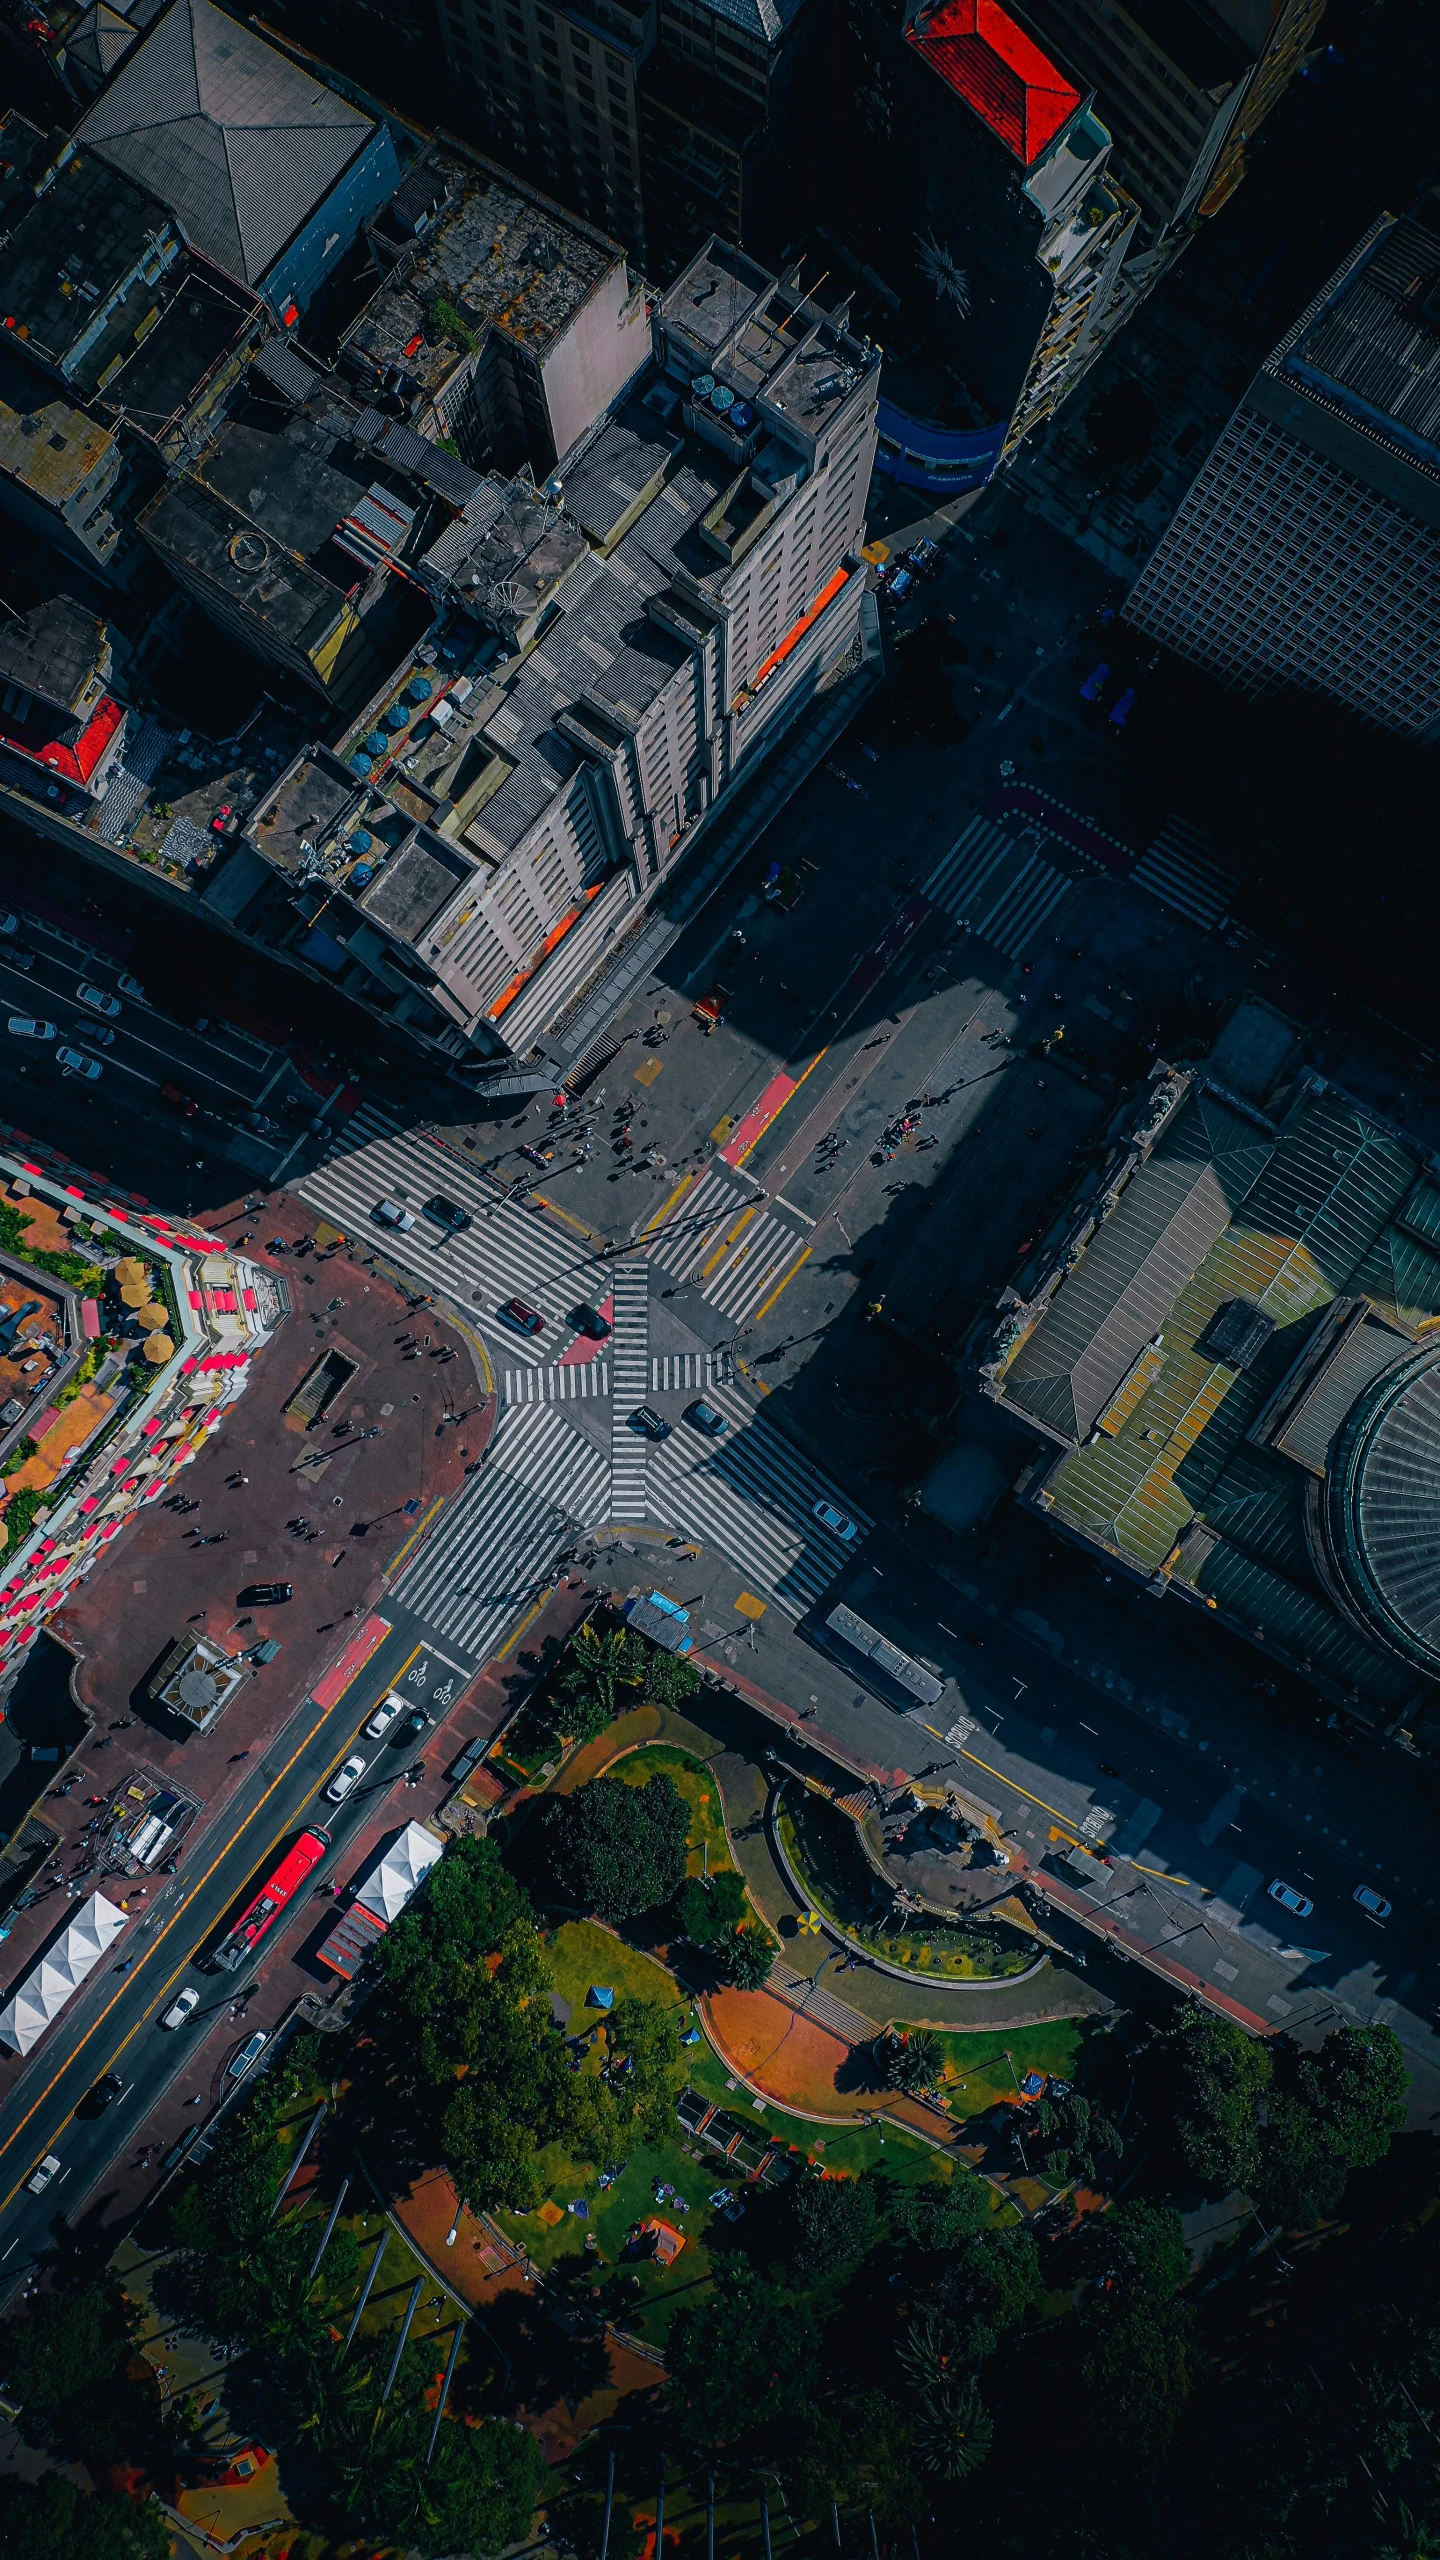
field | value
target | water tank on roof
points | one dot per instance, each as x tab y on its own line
702	386
722	398
361	763
362	874
376	743
742	415
397	717
361	842
420	689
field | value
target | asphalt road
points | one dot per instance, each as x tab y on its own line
113	2022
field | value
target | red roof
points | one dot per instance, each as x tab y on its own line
981	52
75	763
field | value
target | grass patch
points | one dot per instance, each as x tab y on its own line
880	2145
701	1791
977	2075
581	1953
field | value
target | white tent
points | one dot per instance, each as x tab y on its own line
400	1873
43	1993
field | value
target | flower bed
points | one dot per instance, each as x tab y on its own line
829	1862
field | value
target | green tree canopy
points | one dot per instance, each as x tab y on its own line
1329	2112
643	2037
833	2224
71	2340
50	2519
912	2060
990	2284
484	2487
616	1849
600	1666
1213	2078
741	2361
1137	2247
941	2217
706	1910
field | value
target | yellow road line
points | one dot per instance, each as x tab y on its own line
174	1921
741	1223
681	1187
784	1285
1161	1874
417	1532
527	1621
557	1212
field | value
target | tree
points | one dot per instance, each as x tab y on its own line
467	1906
1137	2247
707	1906
643	2038
50	2519
597	1667
861	2453
954	2431
741	2361
484	2486
619	1850
69	2342
1214	2078
745	1956
911	2060
1076	2136
990	2284
1333	2111
1135	2372
833	2224
667	1679
943	2218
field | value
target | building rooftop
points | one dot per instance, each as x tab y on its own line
57	651
241	143
766	20
493	257
1373	349
206	322
978	49
295	603
302	812
45	444
87	233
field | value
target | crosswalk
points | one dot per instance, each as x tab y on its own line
510	1250
1177	870
555	1386
982	885
728	1245
753	1496
492	1550
675	1372
630	1368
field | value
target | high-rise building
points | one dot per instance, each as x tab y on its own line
554	92
730	110
1307	551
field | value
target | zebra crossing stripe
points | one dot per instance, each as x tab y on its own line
555	1386
967	866
754	1497
1022	908
630	1372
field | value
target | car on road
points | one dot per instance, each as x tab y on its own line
448	1215
40	2177
179	1101
519	1317
645	1419
839	1523
105	2091
416	1723
266	1595
1373	1902
706	1419
1290	1898
129	986
388	1213
98	999
589	1321
19	958
180	2008
75	1063
249	2053
384	1716
99	1033
348	1775
28	1026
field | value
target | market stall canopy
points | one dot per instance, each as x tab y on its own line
401	1872
42	1995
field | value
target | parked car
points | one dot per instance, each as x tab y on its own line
839	1523
1373	1902
20	958
520	1318
28	1026
589	1321
347	1777
925	558
705	1418
388	1213
416	1723
40	2177
180	2008
129	986
652	1424
179	1101
98	1033
448	1215
384	1716
1290	1898
98	999
75	1063
266	1595
249	2053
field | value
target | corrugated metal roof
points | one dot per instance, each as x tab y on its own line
1302	1625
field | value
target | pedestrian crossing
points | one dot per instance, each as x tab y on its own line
979	886
753	1496
1178	871
489	1555
544	1451
366	1122
510	1250
555	1386
727	1244
675	1372
630	1369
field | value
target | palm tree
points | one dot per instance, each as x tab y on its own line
953	2428
597	1668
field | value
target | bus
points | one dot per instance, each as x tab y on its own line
265	1907
880	1655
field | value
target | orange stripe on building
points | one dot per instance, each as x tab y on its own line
555	935
793	637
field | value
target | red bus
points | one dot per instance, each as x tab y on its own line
267	1905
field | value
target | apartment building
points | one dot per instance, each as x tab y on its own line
59	722
1307	551
612	654
555	92
60	471
731	121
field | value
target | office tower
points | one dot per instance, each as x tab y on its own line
1307	552
732	118
554	92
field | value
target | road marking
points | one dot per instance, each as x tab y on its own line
681	1187
143	1958
782	1203
785	1283
417	1532
741	1223
1088	1728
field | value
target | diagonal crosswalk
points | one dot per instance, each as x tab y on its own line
630	1370
754	1497
489	1555
986	884
965	869
511	1250
728	1245
1023	906
1177	870
676	1371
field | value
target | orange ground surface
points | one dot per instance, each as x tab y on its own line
81	1417
794	2061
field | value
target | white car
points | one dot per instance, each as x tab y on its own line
98	1032
129	986
1373	1902
384	1716
1290	1898
28	1026
75	1063
98	998
9	923
837	1522
390	1214
39	2179
179	2010
348	1775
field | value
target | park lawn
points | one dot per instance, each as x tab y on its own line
701	1791
977	2075
831	2146
580	1953
614	2212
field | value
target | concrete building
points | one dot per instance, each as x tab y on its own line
58	721
1227	1343
732	125
979	235
612	656
1307	551
157	1394
503	326
555	92
60	471
267	171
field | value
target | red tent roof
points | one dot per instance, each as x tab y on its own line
994	65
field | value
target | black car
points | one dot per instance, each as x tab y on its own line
412	1726
103	2094
266	1595
448	1215
646	1419
589	1321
